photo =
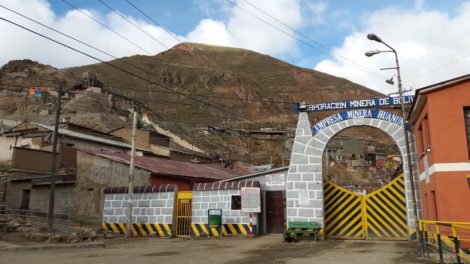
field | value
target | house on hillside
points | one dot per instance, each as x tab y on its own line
83	174
39	137
161	144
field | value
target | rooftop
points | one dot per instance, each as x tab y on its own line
167	167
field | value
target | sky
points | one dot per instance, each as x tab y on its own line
430	37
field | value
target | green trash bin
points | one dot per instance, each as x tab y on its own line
215	220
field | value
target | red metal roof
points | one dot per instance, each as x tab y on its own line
166	166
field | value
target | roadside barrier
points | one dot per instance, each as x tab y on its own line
445	237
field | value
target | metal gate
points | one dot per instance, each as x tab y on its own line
343	213
386	212
378	215
183	214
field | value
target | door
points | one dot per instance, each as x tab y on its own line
25	200
183	213
274	212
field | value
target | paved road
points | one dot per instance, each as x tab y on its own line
266	249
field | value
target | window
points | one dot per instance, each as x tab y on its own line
421	138
466	112
236	202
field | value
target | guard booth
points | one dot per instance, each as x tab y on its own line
183	214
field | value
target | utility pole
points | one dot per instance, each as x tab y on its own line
50	216
130	192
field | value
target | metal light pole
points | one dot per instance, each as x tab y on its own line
374	37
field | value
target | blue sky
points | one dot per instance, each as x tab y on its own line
414	28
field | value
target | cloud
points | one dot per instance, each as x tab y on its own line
318	9
424	39
238	29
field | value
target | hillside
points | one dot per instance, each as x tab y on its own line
249	90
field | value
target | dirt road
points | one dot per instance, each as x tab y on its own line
266	249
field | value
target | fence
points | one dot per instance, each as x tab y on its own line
62	222
451	238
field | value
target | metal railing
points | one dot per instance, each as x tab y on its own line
62	222
445	238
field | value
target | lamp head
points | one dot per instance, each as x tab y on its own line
390	81
374	37
371	53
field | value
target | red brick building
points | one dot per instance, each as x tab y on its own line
440	116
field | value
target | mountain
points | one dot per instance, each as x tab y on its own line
234	87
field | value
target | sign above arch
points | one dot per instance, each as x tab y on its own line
357	103
357	115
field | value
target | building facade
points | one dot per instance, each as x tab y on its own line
440	117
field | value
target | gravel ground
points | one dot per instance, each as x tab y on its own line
265	249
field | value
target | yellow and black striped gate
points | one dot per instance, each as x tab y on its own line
378	215
386	212
343	213
183	214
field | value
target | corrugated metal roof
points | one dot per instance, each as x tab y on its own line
166	166
83	136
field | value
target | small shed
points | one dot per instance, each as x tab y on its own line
227	197
272	182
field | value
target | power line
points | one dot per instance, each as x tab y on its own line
133	24
119	68
439	67
352	63
110	29
155	22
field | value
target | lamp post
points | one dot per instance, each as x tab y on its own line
371	53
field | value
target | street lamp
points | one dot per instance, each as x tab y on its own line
371	53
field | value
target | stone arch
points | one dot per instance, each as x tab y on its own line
304	184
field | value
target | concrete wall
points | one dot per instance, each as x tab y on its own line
218	199
304	185
148	208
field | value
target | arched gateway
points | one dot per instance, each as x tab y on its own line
305	196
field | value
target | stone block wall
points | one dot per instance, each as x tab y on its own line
235	222
152	209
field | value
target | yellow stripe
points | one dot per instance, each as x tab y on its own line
167	228
396	211
383	232
339	200
343	212
232	229
123	227
149	228
196	232
134	232
242	229
115	230
369	226
204	229
394	221
105	228
355	228
345	220
387	220
224	231
142	231
214	231
159	230
339	209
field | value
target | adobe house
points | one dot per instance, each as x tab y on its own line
440	116
83	174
